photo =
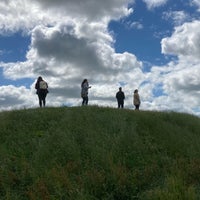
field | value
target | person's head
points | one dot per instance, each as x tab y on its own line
136	91
84	81
120	88
39	78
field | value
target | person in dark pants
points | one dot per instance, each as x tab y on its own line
42	89
120	98
84	91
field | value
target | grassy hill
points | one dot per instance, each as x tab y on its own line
90	153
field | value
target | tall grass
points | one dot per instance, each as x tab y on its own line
94	153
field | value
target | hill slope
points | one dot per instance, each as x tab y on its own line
98	153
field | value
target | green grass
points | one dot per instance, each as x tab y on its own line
91	153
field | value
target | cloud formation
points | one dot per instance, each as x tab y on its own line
184	42
70	41
151	4
178	17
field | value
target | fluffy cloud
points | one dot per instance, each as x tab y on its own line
70	45
154	3
19	15
136	25
184	42
19	95
70	41
196	3
87	9
178	17
179	80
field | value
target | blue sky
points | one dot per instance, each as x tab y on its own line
151	45
141	32
14	47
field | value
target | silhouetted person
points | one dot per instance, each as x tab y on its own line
136	100
120	98
42	89
84	91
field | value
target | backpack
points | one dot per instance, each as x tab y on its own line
43	85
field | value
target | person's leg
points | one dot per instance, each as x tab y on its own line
118	103
86	100
43	96
40	100
136	107
44	102
83	102
44	99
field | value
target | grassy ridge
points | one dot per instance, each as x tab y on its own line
93	153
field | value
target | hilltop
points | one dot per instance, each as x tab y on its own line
99	153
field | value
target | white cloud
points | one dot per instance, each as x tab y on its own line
184	42
151	4
178	17
196	3
136	25
179	81
178	84
19	15
70	42
89	10
65	48
12	97
17	70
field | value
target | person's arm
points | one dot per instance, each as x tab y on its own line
36	86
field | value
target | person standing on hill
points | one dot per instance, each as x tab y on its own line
136	100
42	89
84	91
120	98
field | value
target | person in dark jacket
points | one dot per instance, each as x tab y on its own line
42	89
120	98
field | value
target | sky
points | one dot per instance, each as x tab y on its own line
149	45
